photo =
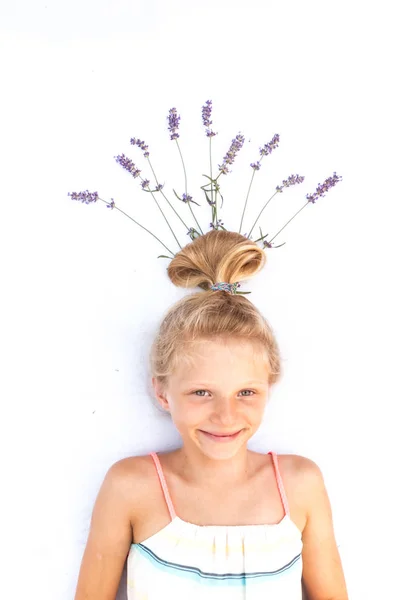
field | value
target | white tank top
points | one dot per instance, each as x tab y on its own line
184	561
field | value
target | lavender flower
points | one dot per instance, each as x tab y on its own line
321	189
267	149
291	180
145	183
86	197
320	192
219	223
230	156
142	145
267	244
271	146
126	162
206	112
173	120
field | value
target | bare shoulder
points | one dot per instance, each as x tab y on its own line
309	479
302	476
129	474
125	466
299	467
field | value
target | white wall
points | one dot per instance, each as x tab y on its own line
83	291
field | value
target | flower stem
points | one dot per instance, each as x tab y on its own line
191	210
262	211
184	170
183	164
124	213
155	177
213	211
245	204
289	221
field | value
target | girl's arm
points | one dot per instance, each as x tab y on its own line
323	575
110	537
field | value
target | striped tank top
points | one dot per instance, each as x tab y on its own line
184	561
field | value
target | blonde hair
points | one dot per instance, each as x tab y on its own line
216	256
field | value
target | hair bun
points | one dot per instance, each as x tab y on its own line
216	256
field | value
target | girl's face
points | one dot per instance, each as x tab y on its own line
222	389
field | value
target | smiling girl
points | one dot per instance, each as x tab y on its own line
213	519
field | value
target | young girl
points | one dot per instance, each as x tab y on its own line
213	519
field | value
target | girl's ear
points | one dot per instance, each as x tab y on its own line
160	393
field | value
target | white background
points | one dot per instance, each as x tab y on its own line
83	291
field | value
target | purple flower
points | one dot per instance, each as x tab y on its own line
321	189
267	149
173	121
271	146
219	222
267	244
112	204
145	183
186	198
291	180
230	156
142	145
126	162
85	197
206	112
159	187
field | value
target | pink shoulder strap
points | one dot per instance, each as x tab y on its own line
163	484
280	482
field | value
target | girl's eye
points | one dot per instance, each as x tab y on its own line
206	390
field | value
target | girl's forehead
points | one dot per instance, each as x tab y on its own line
207	348
218	362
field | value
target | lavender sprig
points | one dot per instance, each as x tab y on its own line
206	115
229	158
141	144
173	120
127	164
267	149
329	183
292	180
87	197
173	125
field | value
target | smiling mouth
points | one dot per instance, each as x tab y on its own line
222	434
222	437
